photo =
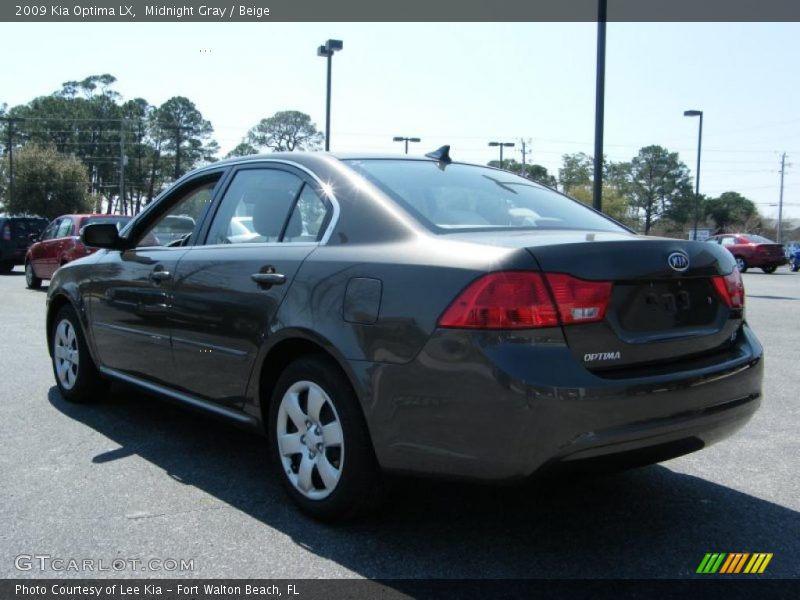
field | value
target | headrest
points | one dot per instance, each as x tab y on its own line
269	211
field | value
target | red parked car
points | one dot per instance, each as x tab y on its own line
60	243
752	250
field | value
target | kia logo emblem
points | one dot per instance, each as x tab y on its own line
679	261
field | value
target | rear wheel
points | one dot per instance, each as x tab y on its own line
76	375
741	264
31	280
319	441
6	266
795	266
769	270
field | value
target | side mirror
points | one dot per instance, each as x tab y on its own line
103	235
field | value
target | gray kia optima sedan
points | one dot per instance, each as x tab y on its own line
417	315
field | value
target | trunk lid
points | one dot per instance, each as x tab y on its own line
663	306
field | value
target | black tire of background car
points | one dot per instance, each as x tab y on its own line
31	280
360	487
6	267
741	264
89	384
769	270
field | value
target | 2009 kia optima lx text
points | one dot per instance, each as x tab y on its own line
377	314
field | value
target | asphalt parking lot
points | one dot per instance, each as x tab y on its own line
136	478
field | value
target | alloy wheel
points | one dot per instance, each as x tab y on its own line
65	354
310	440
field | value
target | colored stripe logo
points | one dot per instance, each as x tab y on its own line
734	562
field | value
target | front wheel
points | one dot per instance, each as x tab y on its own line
794	266
31	280
741	264
319	441
76	375
6	267
769	270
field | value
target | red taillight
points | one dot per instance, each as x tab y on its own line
520	300
730	288
7	232
578	300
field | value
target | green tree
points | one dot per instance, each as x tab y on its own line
536	173
730	208
286	130
656	179
243	149
46	182
576	171
615	203
185	133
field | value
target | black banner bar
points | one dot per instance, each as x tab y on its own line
742	586
388	11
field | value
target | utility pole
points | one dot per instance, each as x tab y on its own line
10	149
524	151
780	201
122	165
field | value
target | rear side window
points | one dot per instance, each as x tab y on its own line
458	197
64	228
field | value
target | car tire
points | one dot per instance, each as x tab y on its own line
31	280
769	270
320	444
795	266
741	264
76	374
6	267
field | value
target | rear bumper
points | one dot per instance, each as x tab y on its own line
766	261
498	406
15	256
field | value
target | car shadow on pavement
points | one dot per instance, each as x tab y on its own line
650	522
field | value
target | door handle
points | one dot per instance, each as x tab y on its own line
159	276
269	278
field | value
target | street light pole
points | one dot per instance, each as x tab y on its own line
599	106
399	138
327	51
697	113
502	145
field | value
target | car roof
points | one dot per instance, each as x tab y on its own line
97	215
311	157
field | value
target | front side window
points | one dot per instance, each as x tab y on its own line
176	225
728	241
50	232
456	196
256	207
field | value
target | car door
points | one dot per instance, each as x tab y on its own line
129	296
43	254
228	290
62	242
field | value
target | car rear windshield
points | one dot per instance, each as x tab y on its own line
758	239
458	197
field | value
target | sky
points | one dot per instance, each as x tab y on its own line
462	84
